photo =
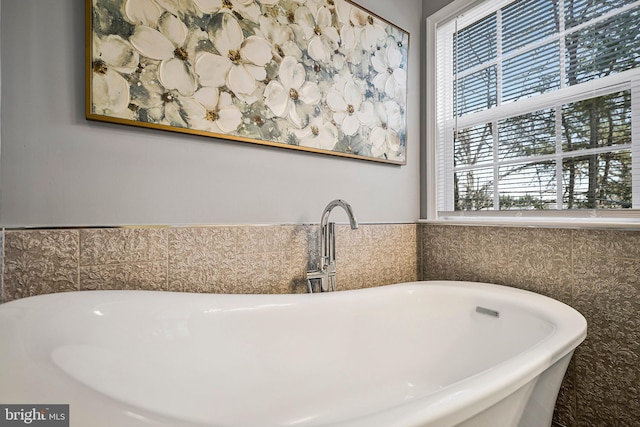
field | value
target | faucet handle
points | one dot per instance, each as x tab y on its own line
316	275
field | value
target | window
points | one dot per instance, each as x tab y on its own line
538	108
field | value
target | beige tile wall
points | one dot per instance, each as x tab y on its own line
596	272
222	259
376	255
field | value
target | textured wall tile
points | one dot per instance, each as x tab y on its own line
121	245
263	273
465	253
312	236
441	252
1	261
420	232
355	266
348	237
262	239
305	252
102	246
376	255
409	232
356	269
236	258
408	264
383	236
133	276
607	293
202	259
540	260
40	262
397	264
607	243
146	244
484	255
123	258
267	261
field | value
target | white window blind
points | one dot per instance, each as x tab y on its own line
538	107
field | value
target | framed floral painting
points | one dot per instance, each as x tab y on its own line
325	76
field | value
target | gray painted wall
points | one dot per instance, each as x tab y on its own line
59	169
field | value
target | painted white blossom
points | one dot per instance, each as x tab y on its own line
391	78
345	100
248	9
343	12
117	53
143	12
110	92
170	111
319	133
213	111
174	46
148	12
322	37
156	103
280	36
349	33
112	57
180	8
314	5
241	61
371	29
384	138
283	96
349	37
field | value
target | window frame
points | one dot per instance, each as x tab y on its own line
600	218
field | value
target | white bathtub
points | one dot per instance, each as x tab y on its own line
415	354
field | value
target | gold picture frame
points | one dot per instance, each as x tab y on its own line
324	76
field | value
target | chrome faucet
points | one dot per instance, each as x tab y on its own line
326	272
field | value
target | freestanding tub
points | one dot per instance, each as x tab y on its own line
415	354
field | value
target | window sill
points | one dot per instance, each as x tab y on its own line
573	223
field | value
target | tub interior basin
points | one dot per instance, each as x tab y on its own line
256	360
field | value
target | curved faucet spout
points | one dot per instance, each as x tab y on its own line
346	206
326	271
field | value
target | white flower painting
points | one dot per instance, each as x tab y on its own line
325	76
